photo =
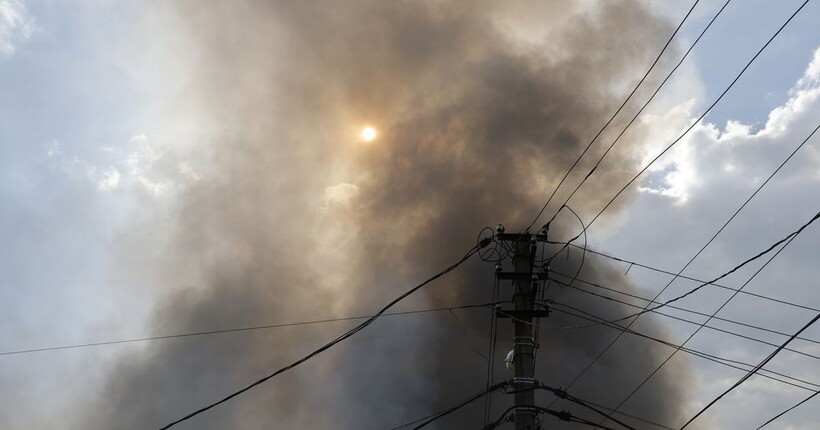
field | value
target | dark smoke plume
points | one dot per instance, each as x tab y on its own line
480	108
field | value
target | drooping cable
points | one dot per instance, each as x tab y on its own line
460	405
636	418
734	269
753	371
236	330
491	353
734	364
774	418
718	329
700	118
339	339
612	118
690	278
562	394
638	113
701	325
427	417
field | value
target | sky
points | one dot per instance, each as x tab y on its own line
170	167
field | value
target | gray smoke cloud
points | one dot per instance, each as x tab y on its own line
480	108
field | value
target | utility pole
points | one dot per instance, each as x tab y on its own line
526	283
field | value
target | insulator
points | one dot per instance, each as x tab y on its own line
534	240
500	228
498	268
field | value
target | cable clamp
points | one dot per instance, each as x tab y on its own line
521	380
523	340
528	410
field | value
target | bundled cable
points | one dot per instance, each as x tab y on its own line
483	243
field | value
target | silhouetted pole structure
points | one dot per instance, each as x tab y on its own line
523	340
525	284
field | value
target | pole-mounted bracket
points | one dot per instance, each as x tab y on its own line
520	380
522	276
523	315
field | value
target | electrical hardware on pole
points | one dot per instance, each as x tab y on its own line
526	285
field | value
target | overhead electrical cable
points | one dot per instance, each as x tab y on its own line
445	411
700	118
649	100
339	339
493	337
568	417
774	418
679	308
461	404
718	329
701	325
752	372
735	364
564	395
617	111
734	269
236	330
561	415
653	308
690	278
636	418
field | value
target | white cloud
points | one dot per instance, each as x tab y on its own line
110	180
142	164
16	25
693	162
690	193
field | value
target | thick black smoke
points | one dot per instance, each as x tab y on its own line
296	218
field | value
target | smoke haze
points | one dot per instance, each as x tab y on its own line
480	108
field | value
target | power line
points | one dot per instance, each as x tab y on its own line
701	325
418	420
612	118
566	416
700	251
458	406
753	371
563	415
740	323
735	364
234	330
645	421
714	236
339	339
788	410
734	269
562	394
690	278
697	121
753	339
637	114
493	337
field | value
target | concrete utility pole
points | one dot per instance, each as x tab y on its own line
526	285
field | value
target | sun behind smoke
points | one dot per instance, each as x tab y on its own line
369	133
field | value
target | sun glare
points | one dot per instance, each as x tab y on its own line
368	134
